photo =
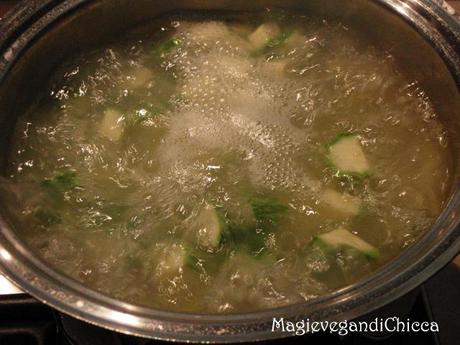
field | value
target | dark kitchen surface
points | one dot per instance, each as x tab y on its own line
25	321
443	292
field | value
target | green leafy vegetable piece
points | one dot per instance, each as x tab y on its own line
192	260
244	239
273	43
340	238
346	157
333	261
267	209
251	237
169	44
279	40
60	183
47	217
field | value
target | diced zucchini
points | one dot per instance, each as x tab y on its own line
346	155
111	125
295	40
263	34
247	232
251	235
341	238
173	259
275	68
278	40
344	203
267	209
211	225
192	260
168	45
269	36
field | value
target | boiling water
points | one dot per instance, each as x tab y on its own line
131	142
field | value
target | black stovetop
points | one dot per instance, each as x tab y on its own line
24	321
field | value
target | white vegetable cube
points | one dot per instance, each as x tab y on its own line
210	227
205	32
343	203
263	34
172	259
348	156
275	68
295	40
111	125
339	238
139	77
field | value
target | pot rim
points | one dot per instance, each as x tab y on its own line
414	265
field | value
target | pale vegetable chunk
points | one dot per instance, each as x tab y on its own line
139	77
169	45
347	155
263	34
343	203
276	68
172	259
207	32
340	238
210	228
295	40
111	125
248	275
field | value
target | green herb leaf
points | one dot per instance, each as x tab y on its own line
60	183
168	45
273	43
267	209
47	217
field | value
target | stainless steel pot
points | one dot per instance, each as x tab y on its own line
39	34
